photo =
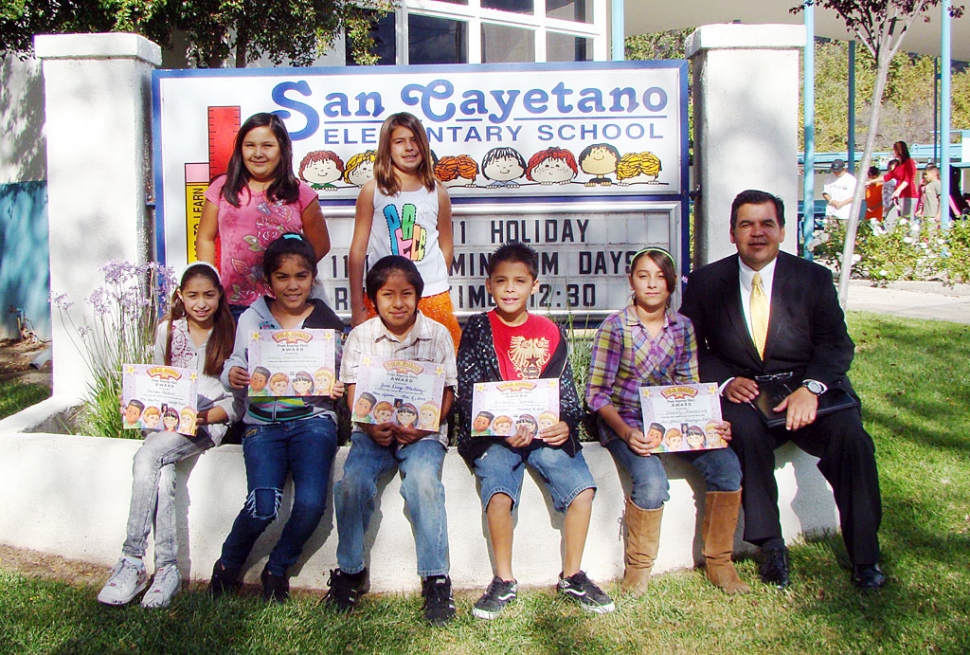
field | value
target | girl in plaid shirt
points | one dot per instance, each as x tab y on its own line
647	344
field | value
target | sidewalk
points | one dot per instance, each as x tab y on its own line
926	300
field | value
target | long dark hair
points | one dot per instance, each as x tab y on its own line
285	186
903	150
384	167
223	336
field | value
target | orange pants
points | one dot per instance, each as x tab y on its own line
437	307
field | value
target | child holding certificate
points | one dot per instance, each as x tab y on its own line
197	334
284	435
509	343
398	332
647	344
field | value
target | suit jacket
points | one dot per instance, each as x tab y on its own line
807	334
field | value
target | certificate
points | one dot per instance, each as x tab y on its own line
498	408
294	362
684	415
400	390
159	398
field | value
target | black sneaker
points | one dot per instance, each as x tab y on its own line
439	606
499	594
345	589
223	581
584	591
276	589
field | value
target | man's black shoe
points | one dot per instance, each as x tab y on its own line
774	567
868	576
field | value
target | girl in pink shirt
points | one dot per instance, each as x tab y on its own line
253	204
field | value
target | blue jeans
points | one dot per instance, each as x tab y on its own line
153	493
720	467
424	496
304	448
501	469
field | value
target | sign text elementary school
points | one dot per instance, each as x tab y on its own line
586	162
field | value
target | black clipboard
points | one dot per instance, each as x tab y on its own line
773	392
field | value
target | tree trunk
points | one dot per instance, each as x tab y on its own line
242	44
851	228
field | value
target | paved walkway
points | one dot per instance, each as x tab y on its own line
927	300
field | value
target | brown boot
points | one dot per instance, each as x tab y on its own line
642	544
720	520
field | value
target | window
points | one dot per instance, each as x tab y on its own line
434	40
580	11
514	6
565	47
385	45
501	44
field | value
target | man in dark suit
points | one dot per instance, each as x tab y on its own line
762	315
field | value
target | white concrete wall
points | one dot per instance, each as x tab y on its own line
98	104
69	495
22	145
745	125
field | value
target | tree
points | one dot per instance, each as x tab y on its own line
881	26
292	31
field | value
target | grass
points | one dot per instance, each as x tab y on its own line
16	395
913	378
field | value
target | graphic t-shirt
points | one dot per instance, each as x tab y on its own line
406	224
525	350
246	231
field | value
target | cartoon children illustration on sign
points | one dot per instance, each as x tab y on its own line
278	383
132	413
547	420
456	171
673	440
428	416
480	426
599	160
320	169
383	412
303	384
170	418
713	437
324	378
552	166
638	168
695	438
502	426
407	415
503	166
360	168
529	421
362	408
150	417
187	420
258	381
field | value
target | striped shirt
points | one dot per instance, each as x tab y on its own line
428	341
625	357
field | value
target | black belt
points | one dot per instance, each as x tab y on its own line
285	415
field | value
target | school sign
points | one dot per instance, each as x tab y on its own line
587	162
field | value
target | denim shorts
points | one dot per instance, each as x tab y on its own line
500	469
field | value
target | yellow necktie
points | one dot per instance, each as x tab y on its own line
759	314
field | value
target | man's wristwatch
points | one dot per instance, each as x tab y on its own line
814	386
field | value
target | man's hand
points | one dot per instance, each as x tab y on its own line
801	406
741	390
724	430
555	435
405	435
337	390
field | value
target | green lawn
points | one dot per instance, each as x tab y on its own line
913	377
16	395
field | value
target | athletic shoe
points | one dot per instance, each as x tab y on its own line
499	594
126	581
439	606
345	589
275	587
223	581
584	591
166	584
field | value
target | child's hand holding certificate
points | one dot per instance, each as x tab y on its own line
684	417
292	362
157	397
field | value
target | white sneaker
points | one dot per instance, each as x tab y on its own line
166	584
126	581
